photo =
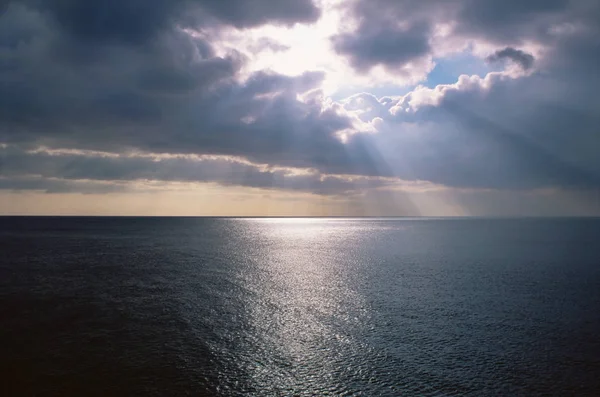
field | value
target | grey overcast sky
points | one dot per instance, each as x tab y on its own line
300	107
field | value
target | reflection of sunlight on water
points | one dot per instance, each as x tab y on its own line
307	303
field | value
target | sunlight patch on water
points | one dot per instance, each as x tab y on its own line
306	304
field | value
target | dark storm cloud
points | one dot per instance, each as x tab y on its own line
386	45
137	21
510	21
244	13
521	58
47	95
393	33
131	21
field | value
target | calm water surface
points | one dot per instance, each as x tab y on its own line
388	307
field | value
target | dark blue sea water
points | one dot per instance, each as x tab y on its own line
282	307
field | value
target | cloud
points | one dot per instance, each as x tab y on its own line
138	21
267	44
54	186
384	44
521	58
154	86
509	21
496	132
27	169
393	33
174	95
501	131
244	13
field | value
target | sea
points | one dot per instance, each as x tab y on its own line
101	306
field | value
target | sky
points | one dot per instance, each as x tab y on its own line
300	107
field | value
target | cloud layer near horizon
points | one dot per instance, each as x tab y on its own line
130	90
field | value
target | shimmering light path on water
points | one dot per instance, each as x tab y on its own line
373	307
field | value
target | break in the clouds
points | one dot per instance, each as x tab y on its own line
284	95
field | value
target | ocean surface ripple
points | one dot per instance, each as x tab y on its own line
299	307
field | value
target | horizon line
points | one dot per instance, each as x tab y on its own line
305	217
